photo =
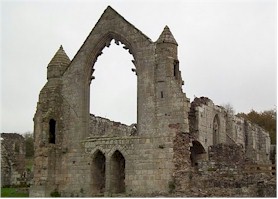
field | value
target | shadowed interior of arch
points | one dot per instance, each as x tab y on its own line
197	153
117	172
98	173
113	89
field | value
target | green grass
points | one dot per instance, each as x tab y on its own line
13	192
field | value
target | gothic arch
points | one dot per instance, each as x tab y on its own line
111	26
98	177
117	148
96	149
77	77
105	42
197	153
117	172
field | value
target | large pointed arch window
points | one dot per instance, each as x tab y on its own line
113	88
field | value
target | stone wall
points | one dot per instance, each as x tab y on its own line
104	127
71	144
12	159
79	154
146	157
212	124
207	122
224	174
257	143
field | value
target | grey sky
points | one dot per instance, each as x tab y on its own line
227	52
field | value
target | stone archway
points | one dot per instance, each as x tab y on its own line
98	173
197	153
79	75
117	173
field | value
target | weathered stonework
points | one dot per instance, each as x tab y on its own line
12	159
79	154
212	124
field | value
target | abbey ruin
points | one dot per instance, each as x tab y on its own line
12	159
192	149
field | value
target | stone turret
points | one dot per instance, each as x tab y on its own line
166	37
167	50
58	64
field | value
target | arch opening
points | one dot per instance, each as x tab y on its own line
98	173
117	173
197	153
113	88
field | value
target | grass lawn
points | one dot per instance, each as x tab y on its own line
13	192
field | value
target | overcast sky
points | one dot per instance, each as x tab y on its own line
227	52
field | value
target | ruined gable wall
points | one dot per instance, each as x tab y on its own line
76	90
148	154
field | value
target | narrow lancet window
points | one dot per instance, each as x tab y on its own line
176	68
52	131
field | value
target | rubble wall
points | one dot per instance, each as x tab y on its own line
12	158
224	174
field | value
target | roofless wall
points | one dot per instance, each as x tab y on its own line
65	151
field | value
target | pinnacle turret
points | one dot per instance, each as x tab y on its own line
166	37
60	58
58	63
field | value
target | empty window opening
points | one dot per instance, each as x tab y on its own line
98	173
161	94
113	91
52	131
176	68
216	128
117	173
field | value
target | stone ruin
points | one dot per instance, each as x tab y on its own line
12	159
175	147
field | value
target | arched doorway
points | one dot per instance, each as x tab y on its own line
216	128
198	153
117	173
98	173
